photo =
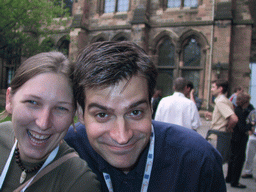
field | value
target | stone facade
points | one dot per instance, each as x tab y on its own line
222	29
219	30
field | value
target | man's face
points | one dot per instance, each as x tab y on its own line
118	121
187	91
240	91
216	90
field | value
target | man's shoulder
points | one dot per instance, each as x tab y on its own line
77	132
177	96
183	142
175	134
223	100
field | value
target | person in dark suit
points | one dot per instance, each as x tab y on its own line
239	140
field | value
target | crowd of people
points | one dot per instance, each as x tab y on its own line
128	137
233	117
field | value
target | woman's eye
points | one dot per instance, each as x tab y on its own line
62	108
32	102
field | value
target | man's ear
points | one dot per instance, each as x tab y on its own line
8	105
221	89
80	114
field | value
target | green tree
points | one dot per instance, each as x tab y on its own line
24	21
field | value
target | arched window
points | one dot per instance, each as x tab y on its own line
191	61
184	57
64	47
166	54
192	53
166	65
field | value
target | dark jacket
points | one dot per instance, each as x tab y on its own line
241	128
183	161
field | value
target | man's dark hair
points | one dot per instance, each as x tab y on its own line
103	64
179	84
190	85
221	83
238	88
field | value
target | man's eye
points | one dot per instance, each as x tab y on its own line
101	115
136	113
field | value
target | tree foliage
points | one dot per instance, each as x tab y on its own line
23	21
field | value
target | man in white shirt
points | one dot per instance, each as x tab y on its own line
178	109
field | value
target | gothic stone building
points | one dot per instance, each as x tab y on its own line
201	40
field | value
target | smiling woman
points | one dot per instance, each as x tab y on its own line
41	104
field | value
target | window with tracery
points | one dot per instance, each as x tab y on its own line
187	63
191	61
166	65
166	54
192	53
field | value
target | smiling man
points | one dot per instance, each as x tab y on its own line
114	83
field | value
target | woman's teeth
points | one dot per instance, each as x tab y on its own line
38	138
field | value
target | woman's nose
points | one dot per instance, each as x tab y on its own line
44	119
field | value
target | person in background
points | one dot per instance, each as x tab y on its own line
178	109
233	97
223	116
155	101
191	95
251	147
239	140
34	156
114	83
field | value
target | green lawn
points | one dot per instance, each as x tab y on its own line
7	118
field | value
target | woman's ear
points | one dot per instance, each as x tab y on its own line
8	105
80	114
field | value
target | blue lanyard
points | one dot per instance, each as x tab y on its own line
7	165
147	171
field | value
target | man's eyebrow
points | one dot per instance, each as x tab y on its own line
96	105
138	103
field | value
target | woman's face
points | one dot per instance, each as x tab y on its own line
42	110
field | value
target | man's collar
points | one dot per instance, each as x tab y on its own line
219	96
179	94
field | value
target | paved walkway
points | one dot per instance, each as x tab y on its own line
250	183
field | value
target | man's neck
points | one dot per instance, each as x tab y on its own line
220	94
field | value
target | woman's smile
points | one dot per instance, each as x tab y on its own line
37	138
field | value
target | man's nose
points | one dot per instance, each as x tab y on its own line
121	132
44	119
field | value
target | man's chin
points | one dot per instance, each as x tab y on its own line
124	165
